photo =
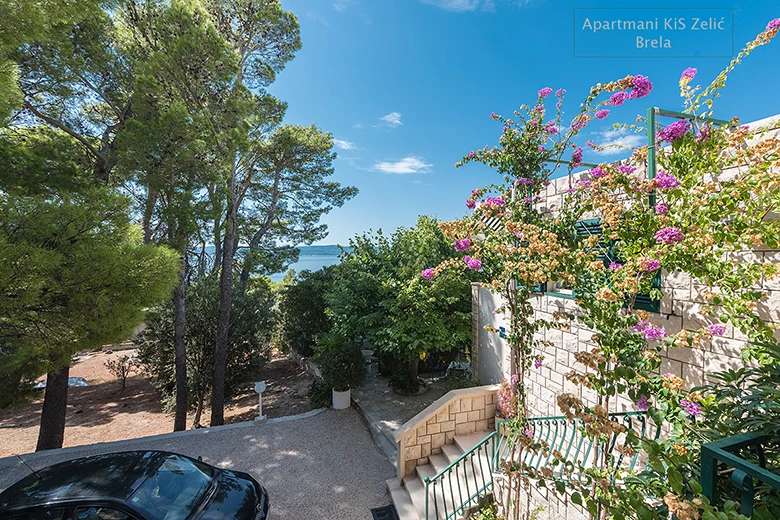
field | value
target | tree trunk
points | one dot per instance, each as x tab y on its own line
225	302
413	366
55	406
180	348
198	411
146	221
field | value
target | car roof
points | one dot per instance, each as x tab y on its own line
113	476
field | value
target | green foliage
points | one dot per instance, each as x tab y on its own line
402	383
340	361
122	367
302	310
73	276
320	394
459	380
252	322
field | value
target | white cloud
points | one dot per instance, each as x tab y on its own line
455	5
393	119
619	141
344	145
342	5
406	165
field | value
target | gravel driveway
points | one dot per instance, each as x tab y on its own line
325	466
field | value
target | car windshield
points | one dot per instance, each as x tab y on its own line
174	489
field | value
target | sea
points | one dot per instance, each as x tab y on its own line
311	258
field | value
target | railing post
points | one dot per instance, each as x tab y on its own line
745	483
709	474
427	481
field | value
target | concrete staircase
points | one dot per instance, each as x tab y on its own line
409	498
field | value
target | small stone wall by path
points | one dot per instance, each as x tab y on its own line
458	412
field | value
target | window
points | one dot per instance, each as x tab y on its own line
592	227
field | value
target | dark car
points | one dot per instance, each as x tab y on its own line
135	485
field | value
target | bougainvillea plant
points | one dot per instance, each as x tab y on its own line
711	201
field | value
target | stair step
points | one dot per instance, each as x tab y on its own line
416	490
402	501
466	442
452	452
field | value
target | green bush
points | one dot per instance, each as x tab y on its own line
302	314
340	361
319	394
459	380
403	384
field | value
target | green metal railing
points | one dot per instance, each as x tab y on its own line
469	478
724	452
567	438
461	485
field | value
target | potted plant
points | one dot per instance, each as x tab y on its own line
342	365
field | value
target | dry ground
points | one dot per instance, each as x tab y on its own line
104	412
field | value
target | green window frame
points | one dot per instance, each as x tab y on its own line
590	227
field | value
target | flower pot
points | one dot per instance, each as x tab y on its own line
341	399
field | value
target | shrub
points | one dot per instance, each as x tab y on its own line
122	367
403	384
459	380
319	394
302	314
341	362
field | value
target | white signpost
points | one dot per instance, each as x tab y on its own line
260	388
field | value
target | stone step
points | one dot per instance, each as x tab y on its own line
402	501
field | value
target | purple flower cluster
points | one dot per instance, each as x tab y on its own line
528	433
716	330
626	168
614	266
471	203
666	180
598	173
641	87
537	363
774	24
462	244
584	184
651	264
541	148
691	407
643	404
602	114
473	263
689	73
580	122
661	208
529	200
551	128
524	180
546	91
576	158
674	131
493	115
428	274
650	331
618	98
669	236
494	202
703	133
560	92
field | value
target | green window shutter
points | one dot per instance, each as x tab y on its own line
607	254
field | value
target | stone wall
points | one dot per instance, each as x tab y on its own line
458	412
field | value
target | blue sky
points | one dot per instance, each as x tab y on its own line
407	86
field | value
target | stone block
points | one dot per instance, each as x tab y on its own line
475	415
454	406
448	426
437	440
481	426
671	366
412	452
433	428
424	439
490	410
461	418
477	403
464	428
426	450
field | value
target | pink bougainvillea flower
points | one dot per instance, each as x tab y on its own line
493	115
472	263
584	184
661	208
462	244
428	274
652	332
494	202
703	134
598	173
674	131
580	122
688	74
576	158
691	407
626	168
773	25
716	330
643	404
537	363
602	114
471	203
666	180
618	98
641	87
560	92
651	264
614	266
546	91
669	236
551	128
523	180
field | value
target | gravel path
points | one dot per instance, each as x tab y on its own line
321	467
